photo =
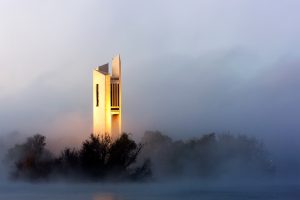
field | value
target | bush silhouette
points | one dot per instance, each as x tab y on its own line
99	158
30	160
68	162
93	155
122	153
211	155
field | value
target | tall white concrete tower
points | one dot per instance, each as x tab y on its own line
107	99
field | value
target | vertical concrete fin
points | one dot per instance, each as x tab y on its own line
116	67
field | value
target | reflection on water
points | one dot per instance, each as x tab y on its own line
106	197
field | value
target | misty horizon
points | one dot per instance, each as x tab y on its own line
189	68
243	84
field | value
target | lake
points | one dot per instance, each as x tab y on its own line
183	190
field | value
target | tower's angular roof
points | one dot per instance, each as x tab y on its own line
103	69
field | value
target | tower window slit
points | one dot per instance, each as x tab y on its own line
112	94
97	95
111	99
115	95
118	99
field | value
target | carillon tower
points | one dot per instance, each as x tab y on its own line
107	99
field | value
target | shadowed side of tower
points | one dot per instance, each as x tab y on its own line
107	99
116	97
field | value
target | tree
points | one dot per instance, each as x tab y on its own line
99	158
30	160
122	153
93	155
68	163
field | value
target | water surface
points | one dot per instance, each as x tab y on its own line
185	190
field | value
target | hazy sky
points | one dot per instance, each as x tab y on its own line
189	67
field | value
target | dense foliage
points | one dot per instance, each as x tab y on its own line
99	158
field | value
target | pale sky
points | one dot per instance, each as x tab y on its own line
189	67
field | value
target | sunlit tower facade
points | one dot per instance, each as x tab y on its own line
107	99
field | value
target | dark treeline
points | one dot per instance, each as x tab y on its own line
157	156
99	158
210	156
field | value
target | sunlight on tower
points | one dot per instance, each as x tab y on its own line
107	99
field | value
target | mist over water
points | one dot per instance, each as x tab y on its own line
163	190
166	184
189	68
